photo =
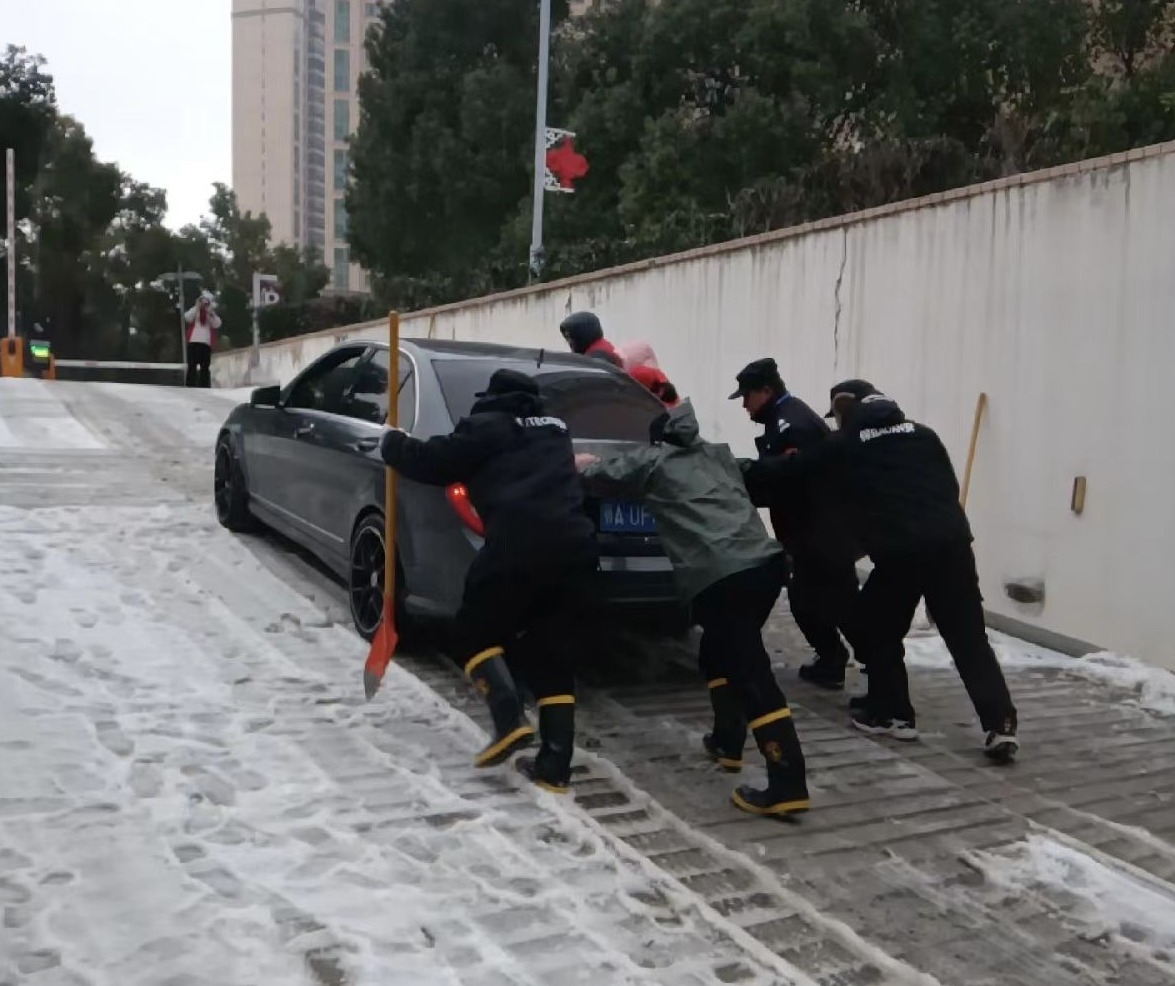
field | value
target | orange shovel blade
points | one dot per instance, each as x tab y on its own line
383	649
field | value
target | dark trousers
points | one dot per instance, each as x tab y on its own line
946	576
732	613
199	364
543	619
824	596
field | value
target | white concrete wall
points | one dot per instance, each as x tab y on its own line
1053	293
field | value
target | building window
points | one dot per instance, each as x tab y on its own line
343	21
341	165
342	119
340	219
372	10
342	272
342	70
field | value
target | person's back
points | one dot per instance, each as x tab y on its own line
526	490
705	519
902	480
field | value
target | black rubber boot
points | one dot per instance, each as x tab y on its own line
725	744
491	677
551	768
787	788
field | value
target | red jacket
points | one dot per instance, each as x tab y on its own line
655	381
211	321
603	349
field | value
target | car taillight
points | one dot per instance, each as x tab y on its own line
458	497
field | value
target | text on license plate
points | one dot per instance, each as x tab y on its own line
621	517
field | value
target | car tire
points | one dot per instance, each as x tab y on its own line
364	593
229	491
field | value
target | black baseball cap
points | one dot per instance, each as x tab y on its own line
509	382
756	375
857	389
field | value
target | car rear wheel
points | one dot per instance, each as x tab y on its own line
365	583
229	490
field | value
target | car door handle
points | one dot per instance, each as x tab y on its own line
366	444
303	430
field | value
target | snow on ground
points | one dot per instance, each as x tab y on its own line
1103	896
34	418
1153	688
194	792
197	414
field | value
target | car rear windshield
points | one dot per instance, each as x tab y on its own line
596	404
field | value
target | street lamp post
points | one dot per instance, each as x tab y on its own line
179	276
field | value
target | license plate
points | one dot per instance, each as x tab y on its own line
621	517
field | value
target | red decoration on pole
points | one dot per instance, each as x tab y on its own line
565	165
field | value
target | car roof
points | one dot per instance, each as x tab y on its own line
452	349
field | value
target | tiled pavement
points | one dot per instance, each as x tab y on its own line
880	882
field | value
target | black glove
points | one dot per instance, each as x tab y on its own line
389	445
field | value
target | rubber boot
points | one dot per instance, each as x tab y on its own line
551	768
725	744
491	676
787	789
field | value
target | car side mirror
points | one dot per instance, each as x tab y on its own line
266	396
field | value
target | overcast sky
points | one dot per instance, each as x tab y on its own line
149	79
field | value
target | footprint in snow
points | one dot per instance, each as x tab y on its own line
111	736
85	619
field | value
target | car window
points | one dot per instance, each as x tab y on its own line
324	387
596	404
369	399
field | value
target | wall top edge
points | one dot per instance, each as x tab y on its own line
1075	169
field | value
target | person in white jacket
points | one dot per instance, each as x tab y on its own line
202	322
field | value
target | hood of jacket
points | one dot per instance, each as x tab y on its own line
681	426
637	354
581	330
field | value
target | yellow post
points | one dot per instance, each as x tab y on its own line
980	406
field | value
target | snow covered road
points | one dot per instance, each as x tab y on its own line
193	791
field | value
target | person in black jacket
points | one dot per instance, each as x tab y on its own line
823	587
530	591
904	501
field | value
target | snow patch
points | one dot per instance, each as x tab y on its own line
34	419
1106	900
1153	688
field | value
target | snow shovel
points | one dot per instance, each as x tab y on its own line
383	646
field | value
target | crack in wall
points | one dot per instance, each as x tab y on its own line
844	259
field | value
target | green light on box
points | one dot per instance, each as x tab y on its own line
39	350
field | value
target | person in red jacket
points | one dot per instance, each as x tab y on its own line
657	383
585	336
202	322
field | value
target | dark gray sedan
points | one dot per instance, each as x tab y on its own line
304	460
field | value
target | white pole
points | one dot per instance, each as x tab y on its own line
255	355
540	139
179	288
10	183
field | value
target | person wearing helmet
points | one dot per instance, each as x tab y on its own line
585	336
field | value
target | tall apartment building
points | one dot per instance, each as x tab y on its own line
296	65
296	68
